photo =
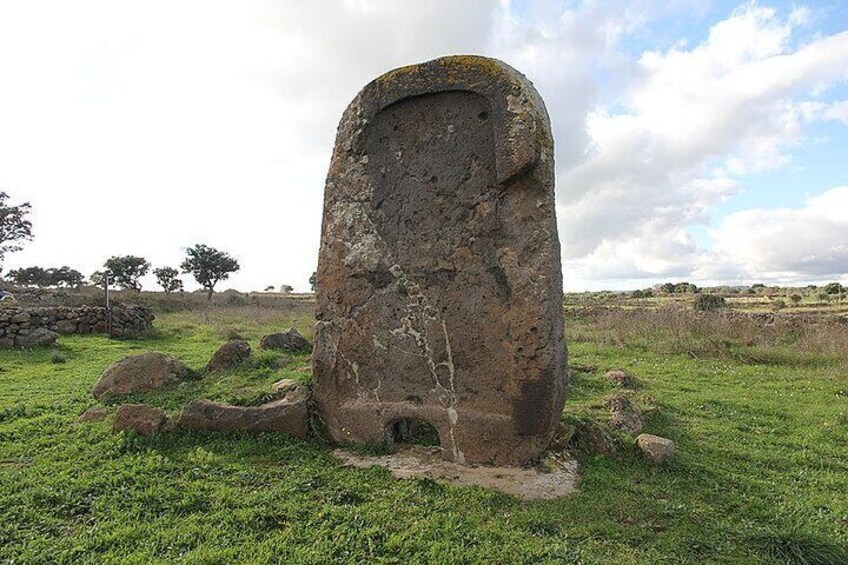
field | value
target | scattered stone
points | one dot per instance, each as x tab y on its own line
139	373
624	416
658	450
39	337
229	356
554	478
592	438
439	284
304	369
287	415
562	437
289	340
94	414
145	420
284	385
619	378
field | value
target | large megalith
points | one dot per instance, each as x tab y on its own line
439	286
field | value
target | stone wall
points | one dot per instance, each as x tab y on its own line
19	326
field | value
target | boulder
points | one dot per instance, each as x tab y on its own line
94	414
439	280
658	450
289	340
39	337
619	378
139	373
624	416
288	415
145	420
228	356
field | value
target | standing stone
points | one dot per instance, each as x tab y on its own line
439	281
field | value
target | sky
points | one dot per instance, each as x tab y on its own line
700	141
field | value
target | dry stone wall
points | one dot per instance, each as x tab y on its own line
17	324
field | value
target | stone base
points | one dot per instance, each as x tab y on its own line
466	436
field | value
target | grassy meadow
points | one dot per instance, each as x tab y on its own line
758	412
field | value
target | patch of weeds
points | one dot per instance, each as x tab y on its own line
795	547
57	358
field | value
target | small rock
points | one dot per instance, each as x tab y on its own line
145	420
304	369
562	437
619	378
624	416
139	373
230	355
656	449
283	385
20	318
287	415
289	340
591	437
94	414
66	327
39	337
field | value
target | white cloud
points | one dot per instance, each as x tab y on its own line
806	242
694	120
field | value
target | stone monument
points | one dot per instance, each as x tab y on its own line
439	281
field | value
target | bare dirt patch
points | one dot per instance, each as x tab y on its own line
554	478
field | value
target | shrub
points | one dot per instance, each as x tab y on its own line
708	302
57	358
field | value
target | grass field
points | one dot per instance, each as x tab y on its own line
759	418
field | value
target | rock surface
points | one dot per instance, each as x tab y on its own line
289	415
439	287
144	419
624	416
229	356
656	449
139	373
289	340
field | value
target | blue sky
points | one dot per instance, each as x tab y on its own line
695	140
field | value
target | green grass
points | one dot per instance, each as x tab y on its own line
761	473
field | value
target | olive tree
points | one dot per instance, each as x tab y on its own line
15	228
126	270
166	277
208	266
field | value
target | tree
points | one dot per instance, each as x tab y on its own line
312	280
37	276
269	288
166	277
709	302
208	266
15	228
29	276
795	298
285	288
126	271
64	276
